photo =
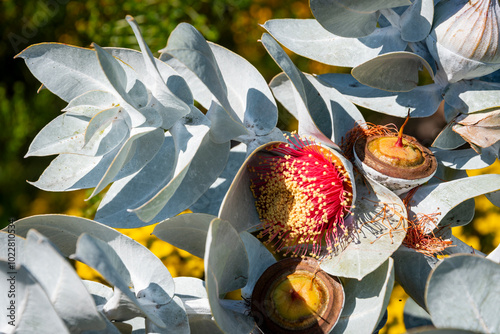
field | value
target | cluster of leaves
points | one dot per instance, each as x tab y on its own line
136	122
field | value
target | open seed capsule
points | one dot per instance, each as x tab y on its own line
295	296
399	163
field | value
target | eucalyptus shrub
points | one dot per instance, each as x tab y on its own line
196	129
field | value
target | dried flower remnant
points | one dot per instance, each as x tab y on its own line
303	195
417	235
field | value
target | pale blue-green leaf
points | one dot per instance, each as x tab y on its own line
226	257
118	78
193	293
471	282
394	71
439	199
448	139
460	215
377	239
422	101
134	59
143	150
452	66
317	121
70	298
461	247
495	255
171	107
414	315
144	267
136	152
34	311
65	70
173	314
188	137
63	134
100	292
103	258
416	21
464	158
253	142
73	171
366	300
494	198
16	244
468	96
412	269
190	48
200	91
90	103
343	113
223	127
211	199
158	177
226	269
238	206
187	231
251	99
347	19
187	186
284	92
137	188
444	173
420	48
259	259
101	121
309	39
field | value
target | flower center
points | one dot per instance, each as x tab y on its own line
303	192
297	296
386	150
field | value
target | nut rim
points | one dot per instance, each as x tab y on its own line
329	314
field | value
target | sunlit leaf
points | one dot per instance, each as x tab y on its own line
439	199
187	231
33	305
416	21
226	269
351	18
377	239
309	39
317	121
259	259
422	101
366	300
61	283
394	71
477	294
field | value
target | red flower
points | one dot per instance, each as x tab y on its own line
303	194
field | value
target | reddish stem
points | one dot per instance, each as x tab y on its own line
399	142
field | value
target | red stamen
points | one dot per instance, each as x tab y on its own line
302	193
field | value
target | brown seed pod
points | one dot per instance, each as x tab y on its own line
400	167
296	296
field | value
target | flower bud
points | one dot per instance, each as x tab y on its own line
465	39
